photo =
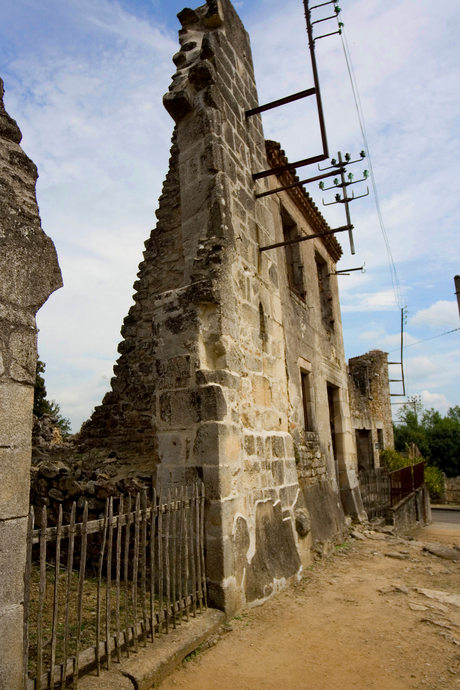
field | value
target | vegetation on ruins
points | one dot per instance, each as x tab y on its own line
44	406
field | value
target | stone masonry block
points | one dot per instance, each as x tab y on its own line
289	444
249	445
260	446
278	472
176	475
218	482
16	403
221	514
219	559
212	403
11	645
288	495
278	446
23	351
178	104
290	471
207	444
188	17
217	444
13	535
173	373
171	447
179	408
271	494
261	391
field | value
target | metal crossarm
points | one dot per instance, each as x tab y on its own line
281	101
304	239
300	183
289	99
284	168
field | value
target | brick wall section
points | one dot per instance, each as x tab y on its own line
29	273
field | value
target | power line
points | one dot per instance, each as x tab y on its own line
426	339
359	110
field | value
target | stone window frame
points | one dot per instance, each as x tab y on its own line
325	293
307	396
380	439
293	256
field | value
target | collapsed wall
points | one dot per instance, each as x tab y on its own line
204	387
29	273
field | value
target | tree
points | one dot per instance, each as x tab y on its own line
437	437
443	436
44	406
41	404
409	429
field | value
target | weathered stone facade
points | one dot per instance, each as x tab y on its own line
29	273
370	407
232	366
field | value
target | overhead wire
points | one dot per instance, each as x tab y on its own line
354	86
426	339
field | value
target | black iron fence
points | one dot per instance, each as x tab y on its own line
381	489
98	590
375	491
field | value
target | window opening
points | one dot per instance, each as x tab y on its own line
381	444
331	396
307	401
262	323
325	293
293	255
364	449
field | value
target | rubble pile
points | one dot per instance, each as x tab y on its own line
62	475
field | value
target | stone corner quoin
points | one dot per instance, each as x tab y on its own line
232	367
29	273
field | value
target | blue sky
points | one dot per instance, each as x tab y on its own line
85	78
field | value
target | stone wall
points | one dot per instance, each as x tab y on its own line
29	273
413	511
370	406
208	384
451	490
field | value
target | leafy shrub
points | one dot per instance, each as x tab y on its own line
393	460
434	480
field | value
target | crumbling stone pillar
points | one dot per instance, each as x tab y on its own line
29	273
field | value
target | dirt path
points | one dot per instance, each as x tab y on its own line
344	626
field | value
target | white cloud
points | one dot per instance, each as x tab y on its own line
436	400
442	313
422	368
380	338
381	300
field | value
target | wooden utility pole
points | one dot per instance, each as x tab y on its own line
457	291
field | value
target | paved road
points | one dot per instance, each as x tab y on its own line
445	527
445	516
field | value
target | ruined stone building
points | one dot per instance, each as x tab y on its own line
232	367
29	273
370	409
